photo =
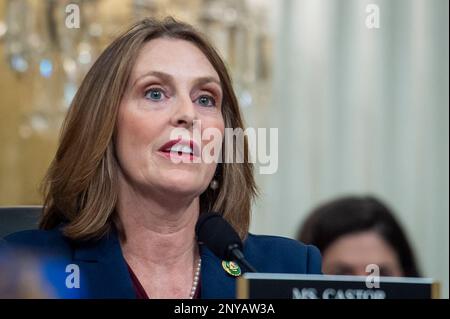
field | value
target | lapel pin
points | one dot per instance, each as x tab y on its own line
231	268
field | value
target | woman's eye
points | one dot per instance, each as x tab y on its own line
154	94
206	100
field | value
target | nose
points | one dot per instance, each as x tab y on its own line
184	113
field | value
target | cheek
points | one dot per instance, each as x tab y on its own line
135	134
216	124
212	137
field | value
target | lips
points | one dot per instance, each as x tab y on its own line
180	147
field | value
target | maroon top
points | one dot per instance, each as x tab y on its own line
140	291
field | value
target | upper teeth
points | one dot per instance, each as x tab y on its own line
181	148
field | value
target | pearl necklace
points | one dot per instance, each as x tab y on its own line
196	279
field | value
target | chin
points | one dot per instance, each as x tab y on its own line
183	184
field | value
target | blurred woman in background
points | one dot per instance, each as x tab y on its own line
353	232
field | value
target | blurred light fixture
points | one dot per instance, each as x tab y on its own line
39	45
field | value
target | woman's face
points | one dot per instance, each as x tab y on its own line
172	85
350	255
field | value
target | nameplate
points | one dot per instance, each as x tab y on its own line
291	286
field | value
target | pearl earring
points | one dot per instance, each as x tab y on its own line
214	184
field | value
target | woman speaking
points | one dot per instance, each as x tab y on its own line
122	197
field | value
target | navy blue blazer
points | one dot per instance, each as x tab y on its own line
104	273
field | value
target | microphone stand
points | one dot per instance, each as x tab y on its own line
237	253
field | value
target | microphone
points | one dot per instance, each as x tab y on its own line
218	235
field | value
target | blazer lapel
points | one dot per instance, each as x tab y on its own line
215	282
103	269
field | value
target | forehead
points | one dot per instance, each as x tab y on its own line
176	57
360	247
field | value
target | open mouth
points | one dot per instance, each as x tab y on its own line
180	149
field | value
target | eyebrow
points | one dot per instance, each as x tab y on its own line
169	78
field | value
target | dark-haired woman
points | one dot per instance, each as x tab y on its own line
354	232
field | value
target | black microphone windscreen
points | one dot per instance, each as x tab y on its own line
217	234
